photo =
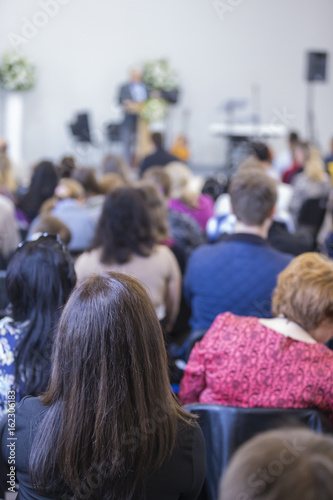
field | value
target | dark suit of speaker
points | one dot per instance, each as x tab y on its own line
129	124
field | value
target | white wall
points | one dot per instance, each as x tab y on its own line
83	54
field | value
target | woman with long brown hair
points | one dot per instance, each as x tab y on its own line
108	427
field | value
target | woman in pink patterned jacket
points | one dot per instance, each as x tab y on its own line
271	363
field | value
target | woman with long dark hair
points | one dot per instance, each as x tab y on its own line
39	279
108	427
43	182
125	242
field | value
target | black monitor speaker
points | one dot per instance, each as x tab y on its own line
80	128
317	66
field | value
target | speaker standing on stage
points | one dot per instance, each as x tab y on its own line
132	95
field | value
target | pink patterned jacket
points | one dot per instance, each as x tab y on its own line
241	362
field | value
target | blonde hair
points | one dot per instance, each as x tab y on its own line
314	167
6	175
180	176
304	292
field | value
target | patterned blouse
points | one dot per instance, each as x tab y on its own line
241	362
10	333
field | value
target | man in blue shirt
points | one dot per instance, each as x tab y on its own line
238	274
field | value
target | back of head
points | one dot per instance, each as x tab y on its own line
86	177
253	196
293	138
109	380
314	167
124	227
261	151
304	291
43	182
49	224
157	139
285	464
115	164
181	177
157	209
69	188
160	177
67	166
39	278
110	182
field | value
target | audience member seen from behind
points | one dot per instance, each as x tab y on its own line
239	273
68	205
109	384
94	199
7	180
300	156
9	234
185	199
283	464
313	182
185	230
280	362
124	242
39	278
160	157
113	164
49	224
43	183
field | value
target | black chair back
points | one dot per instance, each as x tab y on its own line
312	213
226	428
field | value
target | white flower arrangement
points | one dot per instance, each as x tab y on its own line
16	72
154	110
159	76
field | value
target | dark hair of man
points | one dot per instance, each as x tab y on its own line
293	137
253	196
39	279
112	418
124	227
157	139
260	151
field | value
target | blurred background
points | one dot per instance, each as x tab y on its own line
254	51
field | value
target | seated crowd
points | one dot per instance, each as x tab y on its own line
122	286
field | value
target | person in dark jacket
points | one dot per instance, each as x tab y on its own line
238	274
160	157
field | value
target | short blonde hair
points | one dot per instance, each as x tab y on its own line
304	292
181	176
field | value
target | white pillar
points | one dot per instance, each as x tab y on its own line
13	125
